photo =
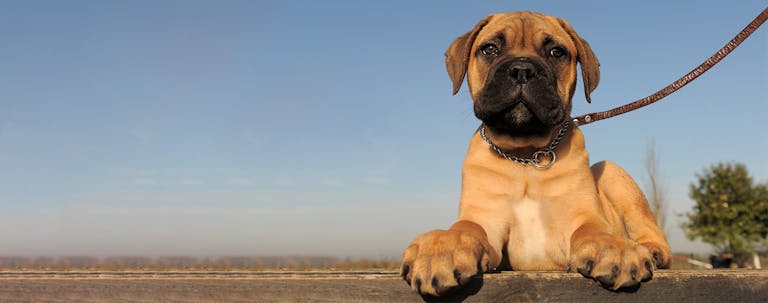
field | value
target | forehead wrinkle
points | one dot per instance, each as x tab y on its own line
523	25
516	30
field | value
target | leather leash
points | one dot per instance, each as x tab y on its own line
695	73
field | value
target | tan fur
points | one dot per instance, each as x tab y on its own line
561	218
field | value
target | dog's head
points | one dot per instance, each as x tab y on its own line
521	71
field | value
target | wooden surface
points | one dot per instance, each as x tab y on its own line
666	286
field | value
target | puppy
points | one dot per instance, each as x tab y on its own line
529	199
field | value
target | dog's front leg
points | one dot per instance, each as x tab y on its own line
442	260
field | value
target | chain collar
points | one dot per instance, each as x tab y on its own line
536	159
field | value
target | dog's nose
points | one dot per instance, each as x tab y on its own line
521	71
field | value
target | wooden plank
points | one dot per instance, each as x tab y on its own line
666	286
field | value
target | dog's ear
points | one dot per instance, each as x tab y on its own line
457	55
590	67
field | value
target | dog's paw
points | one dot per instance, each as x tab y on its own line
613	261
440	261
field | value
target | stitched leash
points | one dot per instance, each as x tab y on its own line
695	73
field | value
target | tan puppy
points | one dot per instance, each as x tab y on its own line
562	215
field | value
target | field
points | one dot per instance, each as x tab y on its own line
184	263
230	263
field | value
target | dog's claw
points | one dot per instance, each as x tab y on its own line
649	268
457	276
658	258
633	273
404	273
587	269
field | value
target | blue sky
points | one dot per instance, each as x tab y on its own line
319	127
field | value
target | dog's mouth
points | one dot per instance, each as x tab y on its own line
517	120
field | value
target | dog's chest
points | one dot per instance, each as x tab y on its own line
535	240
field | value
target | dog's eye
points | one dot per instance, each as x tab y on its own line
490	50
557	52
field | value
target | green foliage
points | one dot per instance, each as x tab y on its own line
731	212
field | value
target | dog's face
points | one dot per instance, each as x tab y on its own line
521	71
